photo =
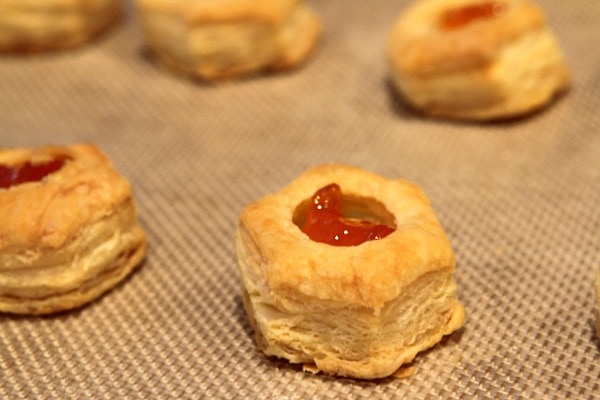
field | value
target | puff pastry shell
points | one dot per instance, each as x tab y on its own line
36	25
359	311
221	39
502	65
68	238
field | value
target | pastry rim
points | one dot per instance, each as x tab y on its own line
473	46
296	267
85	165
193	13
64	37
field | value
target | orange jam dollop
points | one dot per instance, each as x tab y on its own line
12	175
461	16
326	223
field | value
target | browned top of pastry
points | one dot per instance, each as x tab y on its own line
206	11
370	274
434	36
49	212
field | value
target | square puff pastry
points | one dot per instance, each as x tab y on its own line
476	59
358	311
222	39
36	25
68	237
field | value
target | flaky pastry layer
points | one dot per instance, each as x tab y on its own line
218	40
498	67
37	25
360	311
69	237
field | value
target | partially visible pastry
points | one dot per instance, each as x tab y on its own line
347	272
222	39
69	230
476	59
597	292
36	25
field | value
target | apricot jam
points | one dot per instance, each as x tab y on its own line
326	223
458	17
27	172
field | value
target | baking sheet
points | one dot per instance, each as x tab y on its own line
519	201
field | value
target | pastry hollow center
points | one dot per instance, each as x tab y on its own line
336	219
459	17
12	175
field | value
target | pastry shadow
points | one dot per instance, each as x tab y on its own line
264	75
399	104
242	318
282	366
594	336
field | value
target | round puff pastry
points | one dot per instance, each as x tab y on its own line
68	236
221	39
358	311
475	59
37	25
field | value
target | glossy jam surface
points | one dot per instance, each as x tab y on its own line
12	175
326	223
458	17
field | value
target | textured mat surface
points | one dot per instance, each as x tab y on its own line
519	200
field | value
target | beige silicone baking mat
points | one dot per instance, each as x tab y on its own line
520	202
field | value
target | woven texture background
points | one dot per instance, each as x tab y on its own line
519	200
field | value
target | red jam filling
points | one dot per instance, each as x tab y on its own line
326	223
12	175
459	17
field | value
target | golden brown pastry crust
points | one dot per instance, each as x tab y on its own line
360	311
490	68
222	39
68	238
37	25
